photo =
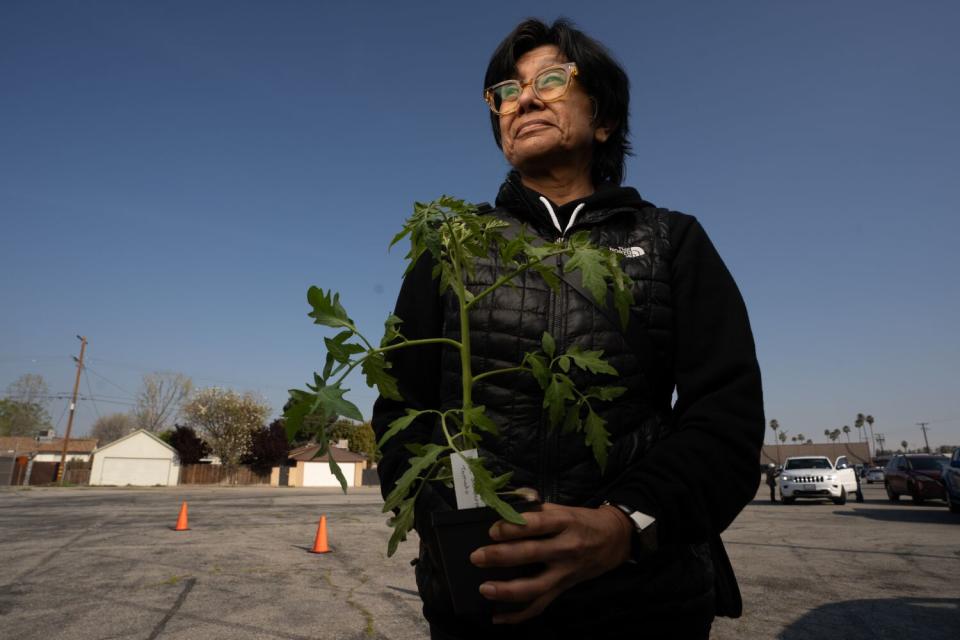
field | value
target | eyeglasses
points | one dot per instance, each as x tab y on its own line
548	85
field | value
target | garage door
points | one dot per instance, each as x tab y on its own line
135	471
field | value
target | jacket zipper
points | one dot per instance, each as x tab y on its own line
550	436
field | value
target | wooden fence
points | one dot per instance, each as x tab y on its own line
218	474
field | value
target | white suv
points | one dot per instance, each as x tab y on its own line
817	478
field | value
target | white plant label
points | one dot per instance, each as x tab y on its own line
463	484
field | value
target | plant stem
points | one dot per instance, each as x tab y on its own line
486	374
459	288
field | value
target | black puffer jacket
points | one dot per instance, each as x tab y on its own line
663	461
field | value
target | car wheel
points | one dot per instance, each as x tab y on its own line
843	497
788	500
892	495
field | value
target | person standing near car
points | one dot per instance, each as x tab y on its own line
635	546
771	473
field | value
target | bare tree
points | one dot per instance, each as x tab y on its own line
112	427
30	388
160	400
226	420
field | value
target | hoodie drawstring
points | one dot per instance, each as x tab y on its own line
553	216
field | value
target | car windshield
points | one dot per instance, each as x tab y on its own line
925	464
808	463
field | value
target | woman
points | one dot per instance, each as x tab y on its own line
635	550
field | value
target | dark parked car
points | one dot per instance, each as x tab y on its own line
951	481
914	474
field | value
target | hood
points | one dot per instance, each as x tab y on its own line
538	211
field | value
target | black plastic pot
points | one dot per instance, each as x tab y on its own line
459	533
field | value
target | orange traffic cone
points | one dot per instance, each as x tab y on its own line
320	543
182	518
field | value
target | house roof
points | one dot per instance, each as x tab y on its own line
307	452
23	444
132	434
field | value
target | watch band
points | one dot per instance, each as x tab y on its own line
644	529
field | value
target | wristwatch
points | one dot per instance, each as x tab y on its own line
644	539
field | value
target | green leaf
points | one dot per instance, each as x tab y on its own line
597	438
539	369
571	421
510	250
486	487
591	361
478	418
335	468
593	268
417	464
331	399
375	367
606	393
548	275
341	352
327	309
548	343
297	409
399	425
391	332
401	523
558	392
564	363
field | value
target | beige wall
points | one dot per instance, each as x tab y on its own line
856	452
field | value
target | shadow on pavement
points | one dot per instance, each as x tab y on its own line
907	514
895	618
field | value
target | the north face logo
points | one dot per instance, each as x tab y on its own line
629	252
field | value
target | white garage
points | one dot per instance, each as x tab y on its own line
139	459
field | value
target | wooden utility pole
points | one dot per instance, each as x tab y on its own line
923	427
62	471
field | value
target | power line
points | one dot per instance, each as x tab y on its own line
60	419
108	381
92	401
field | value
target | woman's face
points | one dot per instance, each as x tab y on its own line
541	136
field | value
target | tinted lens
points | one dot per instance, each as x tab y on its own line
551	83
505	96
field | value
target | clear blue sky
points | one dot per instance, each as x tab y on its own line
174	175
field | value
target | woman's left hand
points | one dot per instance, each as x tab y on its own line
574	544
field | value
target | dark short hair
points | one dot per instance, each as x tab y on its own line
600	75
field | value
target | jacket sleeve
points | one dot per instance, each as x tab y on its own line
417	370
696	480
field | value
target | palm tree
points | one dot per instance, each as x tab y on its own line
834	435
903	443
809	441
826	432
859	432
801	438
846	430
782	436
858	423
775	424
793	439
869	420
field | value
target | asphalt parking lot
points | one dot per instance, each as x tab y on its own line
89	562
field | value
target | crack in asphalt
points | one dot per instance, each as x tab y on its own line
187	588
